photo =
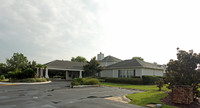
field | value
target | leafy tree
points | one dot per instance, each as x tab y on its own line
140	58
17	61
79	59
183	71
2	68
32	64
92	68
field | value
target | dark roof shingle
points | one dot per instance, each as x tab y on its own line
110	59
65	64
133	63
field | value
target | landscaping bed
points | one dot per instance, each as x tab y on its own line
167	101
27	80
84	82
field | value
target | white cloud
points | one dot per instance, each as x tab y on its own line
48	29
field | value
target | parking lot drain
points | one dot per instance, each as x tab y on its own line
49	95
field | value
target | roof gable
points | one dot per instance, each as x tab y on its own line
110	59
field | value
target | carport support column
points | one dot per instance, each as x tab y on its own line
80	74
41	72
46	73
67	75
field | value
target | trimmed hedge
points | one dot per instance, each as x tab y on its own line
150	80
135	81
145	80
85	81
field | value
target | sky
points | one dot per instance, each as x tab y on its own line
47	30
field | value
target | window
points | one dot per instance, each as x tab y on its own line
134	72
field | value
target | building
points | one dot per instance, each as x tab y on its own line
68	68
132	68
108	60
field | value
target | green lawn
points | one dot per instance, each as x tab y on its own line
148	97
138	87
151	94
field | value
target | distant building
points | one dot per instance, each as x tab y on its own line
117	68
108	60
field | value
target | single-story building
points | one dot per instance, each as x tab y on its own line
132	68
71	69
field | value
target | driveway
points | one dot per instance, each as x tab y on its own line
58	95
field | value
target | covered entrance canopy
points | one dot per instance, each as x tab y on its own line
68	66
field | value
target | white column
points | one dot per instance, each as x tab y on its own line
80	74
41	73
46	73
67	75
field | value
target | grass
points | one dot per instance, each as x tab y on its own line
150	96
138	87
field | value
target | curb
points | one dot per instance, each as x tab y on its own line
124	98
82	86
18	83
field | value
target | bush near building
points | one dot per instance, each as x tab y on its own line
85	81
145	80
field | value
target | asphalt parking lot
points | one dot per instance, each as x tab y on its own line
59	95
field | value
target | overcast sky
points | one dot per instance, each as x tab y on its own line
45	30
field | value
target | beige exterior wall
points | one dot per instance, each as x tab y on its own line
107	73
130	72
152	72
115	73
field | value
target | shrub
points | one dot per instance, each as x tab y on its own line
135	81
90	81
160	83
28	73
18	74
29	80
150	80
2	77
84	81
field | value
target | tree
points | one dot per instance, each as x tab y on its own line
40	68
2	68
32	64
79	59
160	83
183	71
92	68
17	61
139	58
